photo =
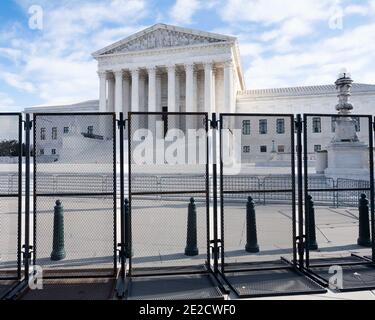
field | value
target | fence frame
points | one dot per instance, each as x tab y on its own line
206	191
88	274
305	261
17	195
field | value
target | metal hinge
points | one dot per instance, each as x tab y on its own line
298	124
27	125
121	123
214	123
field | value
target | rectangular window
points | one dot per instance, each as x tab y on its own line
263	126
281	149
54	133
41	152
53	151
317	125
42	133
280	126
317	148
90	130
246	129
66	129
246	149
263	149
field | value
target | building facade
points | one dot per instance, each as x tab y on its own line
172	69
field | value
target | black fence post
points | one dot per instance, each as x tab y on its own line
128	248
251	227
364	238
311	234
58	252
191	238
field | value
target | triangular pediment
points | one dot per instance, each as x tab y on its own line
162	36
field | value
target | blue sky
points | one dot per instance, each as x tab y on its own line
282	42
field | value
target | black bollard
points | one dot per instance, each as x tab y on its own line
364	238
251	227
191	238
128	247
311	237
58	252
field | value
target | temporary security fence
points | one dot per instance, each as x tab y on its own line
243	202
259	243
11	202
168	242
337	240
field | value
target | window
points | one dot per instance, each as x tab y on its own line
317	148
66	129
280	126
42	133
54	133
263	149
41	152
263	126
246	149
281	149
246	127
90	130
53	151
317	125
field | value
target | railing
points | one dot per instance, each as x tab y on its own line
72	183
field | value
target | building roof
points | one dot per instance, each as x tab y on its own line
156	37
88	106
304	91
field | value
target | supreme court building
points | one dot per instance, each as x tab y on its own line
173	69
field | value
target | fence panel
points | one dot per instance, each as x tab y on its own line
75	194
10	200
168	191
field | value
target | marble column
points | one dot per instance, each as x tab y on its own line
135	100
126	94
103	91
228	87
189	93
118	91
151	119
135	90
151	89
111	94
208	86
172	88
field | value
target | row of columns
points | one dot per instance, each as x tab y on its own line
118	89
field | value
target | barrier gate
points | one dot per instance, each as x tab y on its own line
340	239
258	242
168	242
11	201
276	218
74	207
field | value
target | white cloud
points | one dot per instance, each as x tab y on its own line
5	100
274	11
56	65
18	82
318	63
183	11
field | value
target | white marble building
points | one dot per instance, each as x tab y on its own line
168	68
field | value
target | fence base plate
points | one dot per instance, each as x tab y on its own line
181	287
